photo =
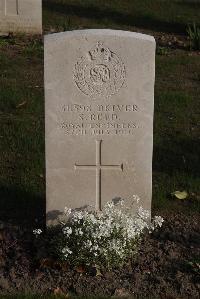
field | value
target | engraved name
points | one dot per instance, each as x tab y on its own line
96	119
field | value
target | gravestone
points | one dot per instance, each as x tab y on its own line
20	16
99	95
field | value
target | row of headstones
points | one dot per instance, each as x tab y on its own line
99	94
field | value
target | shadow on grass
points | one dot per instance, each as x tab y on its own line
195	4
177	154
99	13
20	207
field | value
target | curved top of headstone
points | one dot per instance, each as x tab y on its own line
106	32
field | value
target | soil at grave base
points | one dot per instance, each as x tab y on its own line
167	266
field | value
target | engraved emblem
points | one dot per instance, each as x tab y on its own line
100	73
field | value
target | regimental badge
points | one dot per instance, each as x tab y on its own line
101	73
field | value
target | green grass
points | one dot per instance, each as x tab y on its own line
176	130
22	130
176	122
156	15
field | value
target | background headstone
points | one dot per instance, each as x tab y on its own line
99	87
21	16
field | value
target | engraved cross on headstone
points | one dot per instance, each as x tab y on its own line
9	7
98	167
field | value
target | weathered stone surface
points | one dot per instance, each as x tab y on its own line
99	87
21	16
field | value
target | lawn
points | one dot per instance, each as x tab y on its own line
177	89
168	16
22	129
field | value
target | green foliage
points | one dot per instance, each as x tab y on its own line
194	36
3	42
161	51
67	25
35	47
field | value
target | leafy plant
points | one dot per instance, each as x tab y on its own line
161	51
67	25
194	36
3	42
35	47
106	238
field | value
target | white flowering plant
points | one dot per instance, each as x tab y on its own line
106	238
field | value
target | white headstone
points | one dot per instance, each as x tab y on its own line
21	16
99	87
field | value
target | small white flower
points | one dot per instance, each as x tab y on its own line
144	214
67	211
158	220
136	198
67	230
111	234
80	232
88	243
92	218
96	247
37	231
66	251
